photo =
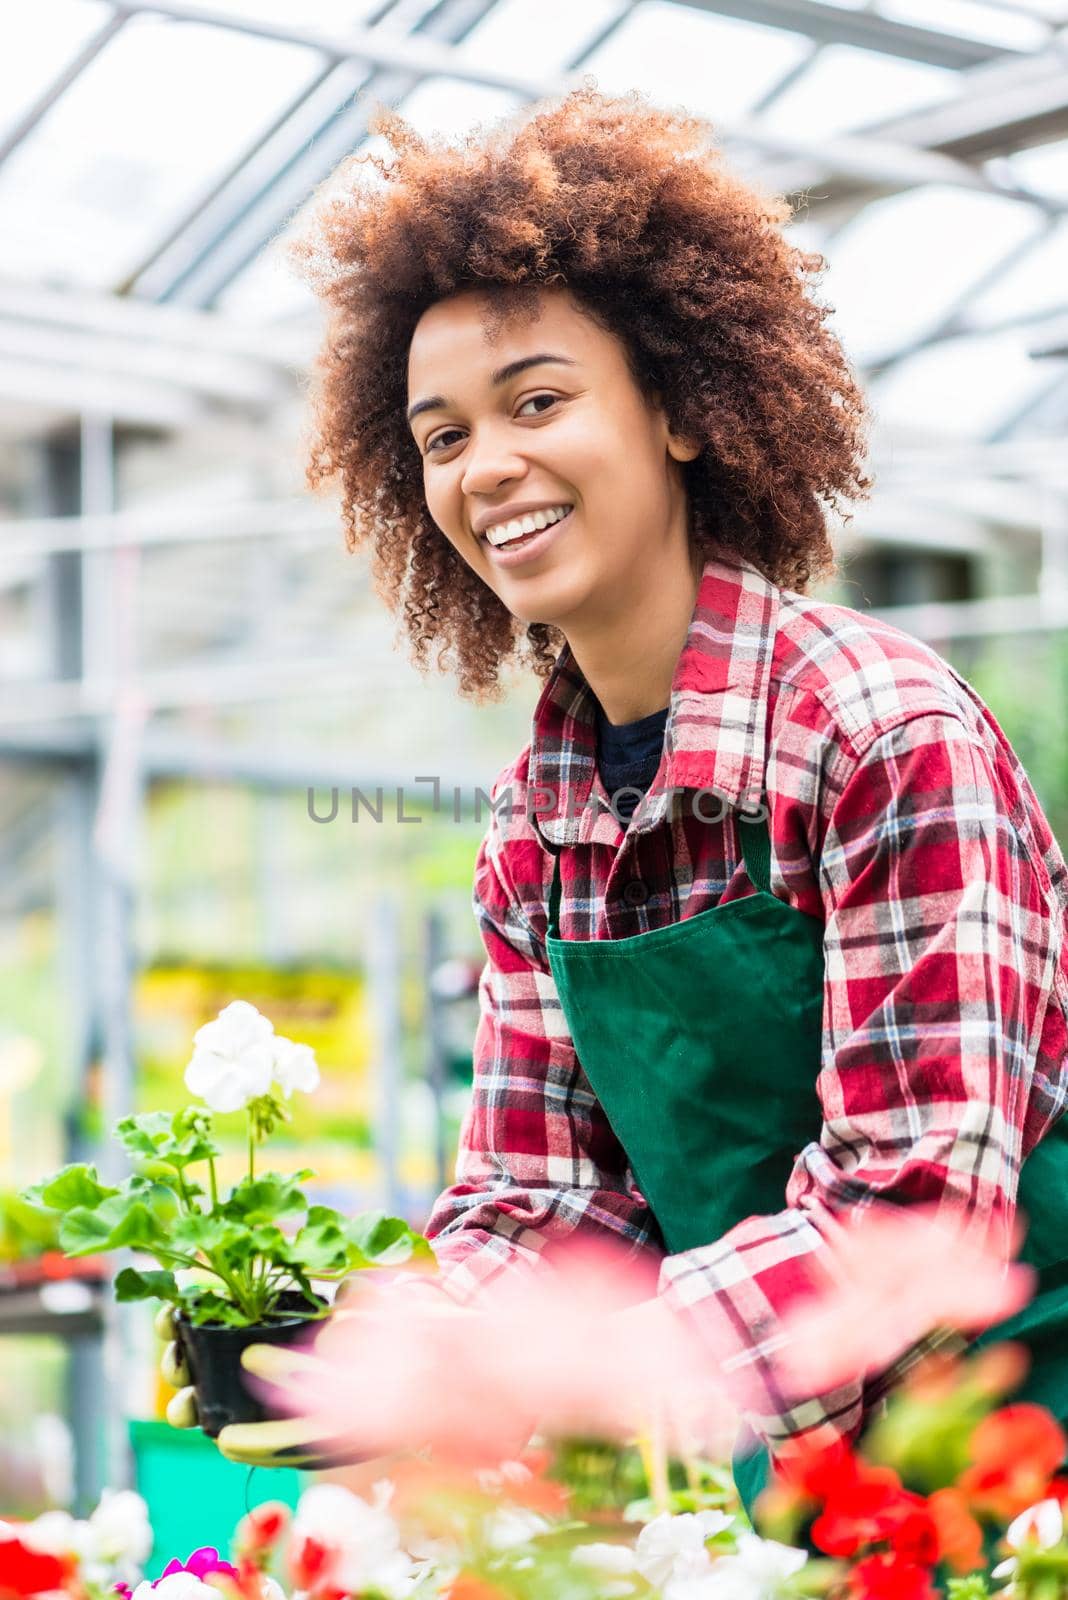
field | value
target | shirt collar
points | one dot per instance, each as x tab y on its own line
717	715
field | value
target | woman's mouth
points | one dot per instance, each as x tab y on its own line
528	546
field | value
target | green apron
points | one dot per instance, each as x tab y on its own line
702	1041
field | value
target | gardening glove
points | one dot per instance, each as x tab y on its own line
297	1441
287	1442
310	1441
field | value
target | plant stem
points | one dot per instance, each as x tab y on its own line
251	1151
213	1183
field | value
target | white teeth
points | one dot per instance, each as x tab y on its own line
532	522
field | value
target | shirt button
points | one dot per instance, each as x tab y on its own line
635	893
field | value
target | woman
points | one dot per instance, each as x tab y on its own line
774	921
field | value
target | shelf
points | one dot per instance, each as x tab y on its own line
68	1308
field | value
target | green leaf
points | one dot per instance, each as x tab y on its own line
204	1305
211	1234
165	1136
115	1223
267	1199
322	1244
133	1285
76	1185
386	1241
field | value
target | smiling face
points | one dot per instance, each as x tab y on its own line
543	417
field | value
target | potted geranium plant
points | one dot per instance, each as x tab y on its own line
252	1265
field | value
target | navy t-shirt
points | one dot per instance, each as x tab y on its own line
628	755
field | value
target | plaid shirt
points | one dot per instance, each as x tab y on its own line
901	817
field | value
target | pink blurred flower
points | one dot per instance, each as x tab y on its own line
887	1279
567	1352
201	1563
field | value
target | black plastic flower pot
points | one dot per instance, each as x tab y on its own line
213	1355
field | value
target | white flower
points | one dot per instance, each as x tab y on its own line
604	1557
119	1532
511	1526
294	1067
756	1571
1041	1526
612	1561
179	1586
54	1533
362	1540
233	1058
674	1547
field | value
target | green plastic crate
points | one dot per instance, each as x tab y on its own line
195	1496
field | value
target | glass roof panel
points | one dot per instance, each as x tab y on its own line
39	47
1039	282
1043	168
192	95
846	87
960	388
542	34
902	263
996	25
447	107
715	66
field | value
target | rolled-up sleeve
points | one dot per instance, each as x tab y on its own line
941	993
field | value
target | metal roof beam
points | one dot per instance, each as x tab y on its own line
867	30
179	328
1005	106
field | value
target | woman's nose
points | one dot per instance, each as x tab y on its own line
492	459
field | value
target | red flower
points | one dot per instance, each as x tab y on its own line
24	1571
866	1513
308	1561
889	1578
1015	1452
262	1528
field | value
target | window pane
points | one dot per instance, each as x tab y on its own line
38	46
850	88
133	142
995	24
900	265
962	388
714	66
543	34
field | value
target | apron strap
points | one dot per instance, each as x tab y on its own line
756	849
554	898
756	854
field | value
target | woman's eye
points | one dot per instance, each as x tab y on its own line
439	441
439	438
545	396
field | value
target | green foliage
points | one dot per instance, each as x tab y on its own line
239	1253
972	1587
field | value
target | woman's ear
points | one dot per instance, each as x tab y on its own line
682	449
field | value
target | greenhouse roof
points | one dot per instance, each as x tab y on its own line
154	155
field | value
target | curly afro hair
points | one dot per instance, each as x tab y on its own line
628	206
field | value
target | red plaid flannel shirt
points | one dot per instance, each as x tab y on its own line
899	815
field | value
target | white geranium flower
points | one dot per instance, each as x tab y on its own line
294	1067
179	1586
757	1571
511	1526
674	1547
54	1533
363	1540
119	1534
612	1562
1040	1526
233	1058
